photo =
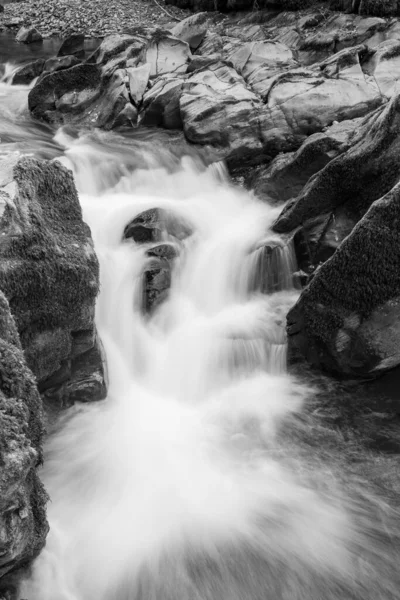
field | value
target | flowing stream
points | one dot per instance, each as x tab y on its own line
180	485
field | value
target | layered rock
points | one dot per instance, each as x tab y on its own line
23	524
347	319
352	181
50	275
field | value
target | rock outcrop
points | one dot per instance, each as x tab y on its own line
347	320
49	274
23	524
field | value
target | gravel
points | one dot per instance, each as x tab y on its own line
94	18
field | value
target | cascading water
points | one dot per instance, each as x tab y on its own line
180	485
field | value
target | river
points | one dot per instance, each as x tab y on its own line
197	478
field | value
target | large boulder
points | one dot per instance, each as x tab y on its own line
353	180
28	35
191	30
347	320
49	273
285	177
23	524
74	45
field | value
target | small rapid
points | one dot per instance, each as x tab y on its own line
189	482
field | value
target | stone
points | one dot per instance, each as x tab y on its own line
58	64
23	524
138	81
192	30
356	178
156	284
167	54
74	45
161	104
26	74
289	172
28	35
48	267
154	225
384	66
346	321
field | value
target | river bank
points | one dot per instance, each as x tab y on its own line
94	19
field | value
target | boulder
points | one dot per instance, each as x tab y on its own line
26	74
155	225
347	320
191	30
48	269
62	95
156	283
58	64
167	54
356	178
288	173
218	109
28	35
23	524
74	45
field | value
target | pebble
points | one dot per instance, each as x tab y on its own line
93	18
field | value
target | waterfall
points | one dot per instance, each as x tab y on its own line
178	486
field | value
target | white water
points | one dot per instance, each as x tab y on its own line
177	486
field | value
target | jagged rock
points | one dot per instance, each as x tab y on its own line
167	54
154	225
128	117
201	62
161	103
23	524
74	45
116	45
353	180
156	283
48	269
26	74
28	35
191	30
138	82
347	319
288	173
58	64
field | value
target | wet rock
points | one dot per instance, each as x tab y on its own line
73	46
192	30
28	35
58	64
23	524
356	178
154	225
156	284
168	251
48	268
26	74
347	319
161	103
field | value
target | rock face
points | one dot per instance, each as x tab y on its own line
23	525
49	274
347	319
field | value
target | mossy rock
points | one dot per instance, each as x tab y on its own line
347	320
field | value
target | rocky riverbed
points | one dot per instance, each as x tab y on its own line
94	19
